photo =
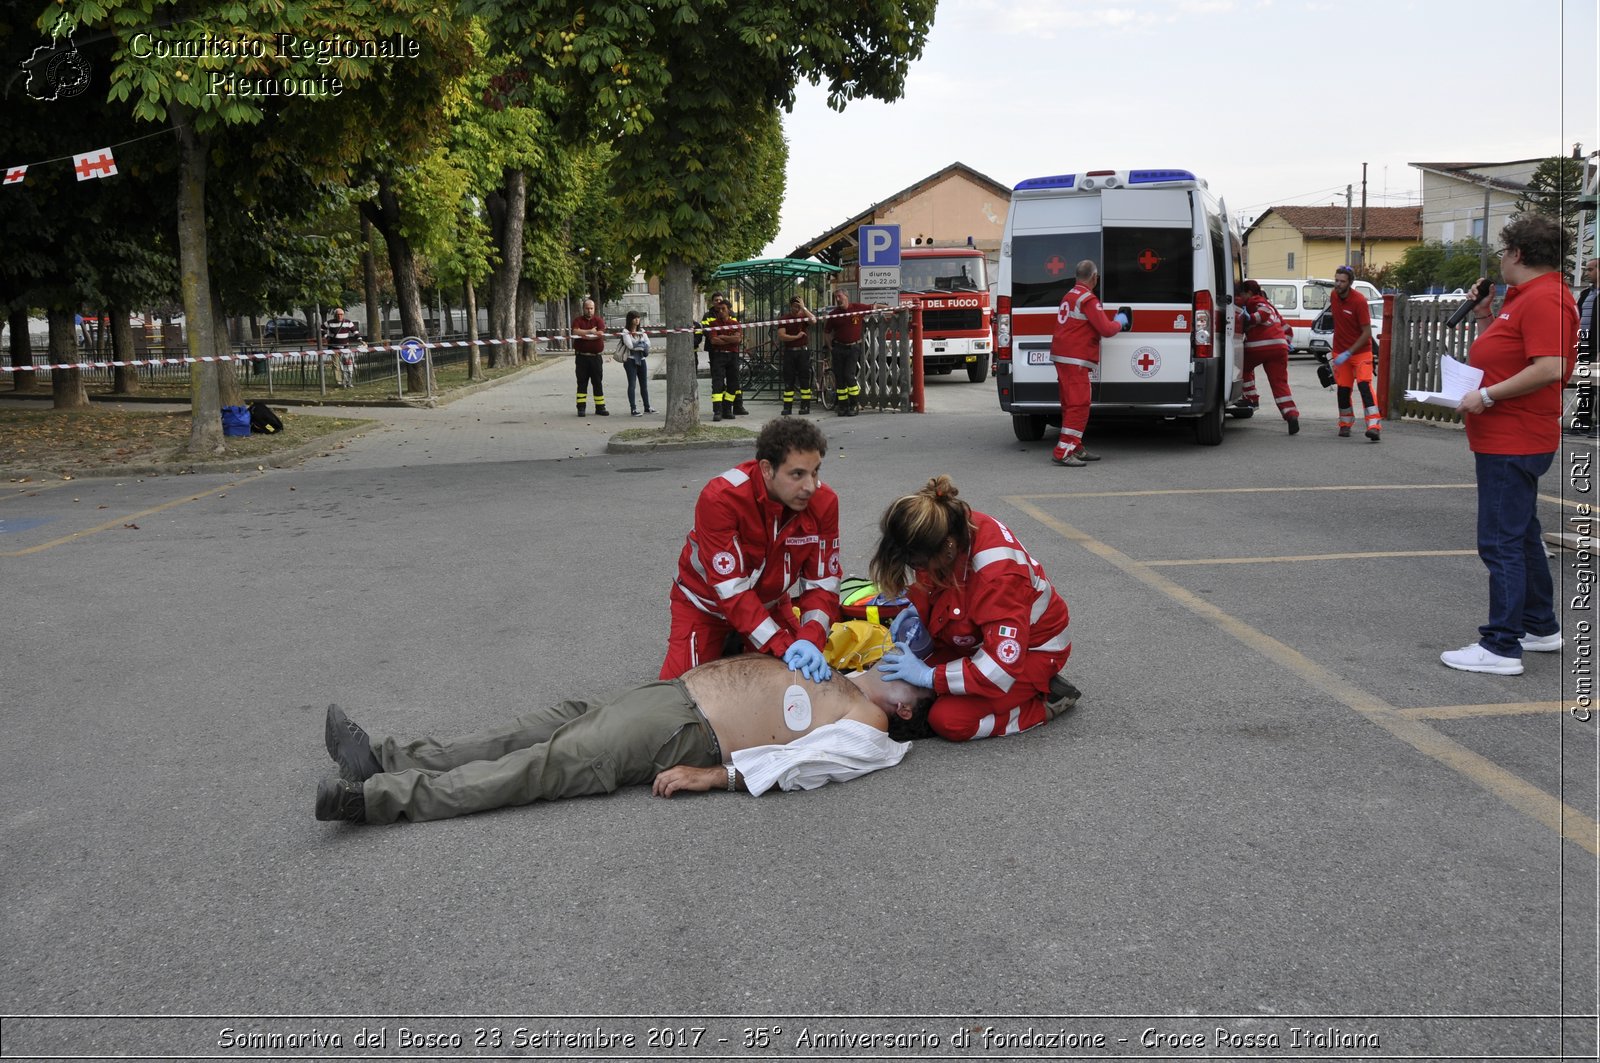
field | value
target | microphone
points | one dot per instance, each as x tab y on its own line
1485	289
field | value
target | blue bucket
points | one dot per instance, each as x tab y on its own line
236	420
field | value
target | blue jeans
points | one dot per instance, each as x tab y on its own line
635	368
1521	592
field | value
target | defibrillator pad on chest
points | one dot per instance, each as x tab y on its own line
796	708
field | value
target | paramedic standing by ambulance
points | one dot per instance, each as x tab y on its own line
1000	632
1075	350
1266	344
1352	352
765	541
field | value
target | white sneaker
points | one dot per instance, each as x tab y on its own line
1475	658
1543	643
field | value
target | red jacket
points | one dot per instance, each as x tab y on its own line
1080	322
748	559
1001	608
1264	327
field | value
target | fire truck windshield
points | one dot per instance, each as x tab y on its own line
954	274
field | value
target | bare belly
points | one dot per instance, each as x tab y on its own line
754	700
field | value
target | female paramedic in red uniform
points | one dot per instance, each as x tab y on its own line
999	629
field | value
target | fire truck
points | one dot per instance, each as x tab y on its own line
951	285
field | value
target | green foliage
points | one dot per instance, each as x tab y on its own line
1436	264
690	90
1555	184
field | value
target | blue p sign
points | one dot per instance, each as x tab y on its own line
880	245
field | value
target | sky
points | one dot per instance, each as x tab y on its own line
1272	102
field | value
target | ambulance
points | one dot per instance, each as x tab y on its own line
1169	258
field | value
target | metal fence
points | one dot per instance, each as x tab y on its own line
289	369
884	369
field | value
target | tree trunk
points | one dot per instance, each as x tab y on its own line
205	426
474	353
384	213
66	385
683	389
510	214
369	279
527	347
124	378
21	352
228	392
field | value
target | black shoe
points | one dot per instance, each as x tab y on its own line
581	413
341	799
1294	425
805	408
601	411
1344	431
716	412
1062	697
788	409
738	408
349	746
1372	435
648	410
1086	456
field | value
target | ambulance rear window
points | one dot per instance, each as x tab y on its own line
1147	265
1044	267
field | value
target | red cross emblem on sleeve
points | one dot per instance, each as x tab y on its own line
92	164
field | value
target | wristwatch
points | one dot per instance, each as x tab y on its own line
1483	393
733	777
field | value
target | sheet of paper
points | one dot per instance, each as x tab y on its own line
1455	380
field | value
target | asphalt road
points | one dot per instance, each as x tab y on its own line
1273	809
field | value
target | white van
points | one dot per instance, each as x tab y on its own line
1168	255
1300	301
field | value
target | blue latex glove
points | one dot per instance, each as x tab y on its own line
1122	319
1341	358
899	663
806	659
901	619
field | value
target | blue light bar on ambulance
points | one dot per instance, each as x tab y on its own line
1146	177
1059	181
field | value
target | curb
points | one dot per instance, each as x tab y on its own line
629	446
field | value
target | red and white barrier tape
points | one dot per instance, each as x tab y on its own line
263	356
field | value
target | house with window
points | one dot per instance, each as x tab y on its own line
1456	195
1310	241
954	207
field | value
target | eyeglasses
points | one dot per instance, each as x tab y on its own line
1502	250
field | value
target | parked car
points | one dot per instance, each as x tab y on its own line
285	330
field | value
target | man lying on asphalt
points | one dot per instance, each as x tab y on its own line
745	723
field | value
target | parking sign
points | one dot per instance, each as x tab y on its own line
880	245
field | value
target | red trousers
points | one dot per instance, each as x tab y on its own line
968	717
1072	384
698	637
1275	361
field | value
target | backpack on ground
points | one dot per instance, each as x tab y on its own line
262	419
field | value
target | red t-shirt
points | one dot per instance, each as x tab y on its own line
1349	314
585	345
1538	320
795	322
846	329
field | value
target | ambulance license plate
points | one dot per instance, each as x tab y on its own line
1038	357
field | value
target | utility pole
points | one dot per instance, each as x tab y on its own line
1363	217
1349	191
1483	249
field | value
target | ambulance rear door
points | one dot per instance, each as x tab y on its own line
1050	235
1151	243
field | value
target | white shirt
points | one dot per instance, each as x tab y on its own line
833	752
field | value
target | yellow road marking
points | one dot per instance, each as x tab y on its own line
1252	490
1464	712
119	521
1560	817
1310	557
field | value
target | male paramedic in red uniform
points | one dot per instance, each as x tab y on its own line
1352	352
1075	349
1266	344
765	541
